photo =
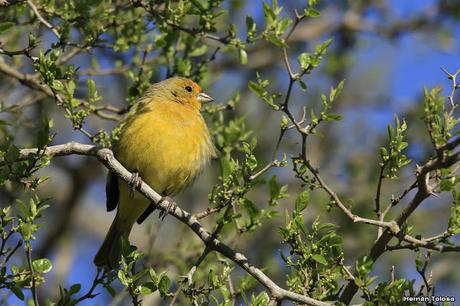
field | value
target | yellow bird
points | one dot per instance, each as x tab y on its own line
164	140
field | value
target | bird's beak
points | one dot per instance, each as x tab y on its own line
204	98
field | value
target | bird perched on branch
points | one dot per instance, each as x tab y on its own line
163	140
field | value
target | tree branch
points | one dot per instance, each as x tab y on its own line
423	192
106	157
42	20
33	286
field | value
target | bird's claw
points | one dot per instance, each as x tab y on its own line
135	182
171	206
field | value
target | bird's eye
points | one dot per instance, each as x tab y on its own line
188	88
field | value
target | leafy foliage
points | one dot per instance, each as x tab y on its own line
60	51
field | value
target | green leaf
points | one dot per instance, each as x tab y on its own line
199	51
17	292
274	187
358	282
32	39
419	261
147	288
198	5
314	118
225	166
311	12
270	15
42	265
282	26
164	285
251	161
321	49
262	299
391	132
153	275
319	259
26	231
121	276
334	92
302	201
243	56
303	86
57	85
138	275
250	207
75	288
402	145
251	28
259	89
304	60
334	117
70	88
250	23
43	138
279	42
12	154
364	265
384	153
93	95
255	88
213	279
284	121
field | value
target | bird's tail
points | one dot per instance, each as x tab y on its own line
109	253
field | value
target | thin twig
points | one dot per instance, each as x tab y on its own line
31	82
7	258
33	286
42	20
455	86
96	281
422	271
379	214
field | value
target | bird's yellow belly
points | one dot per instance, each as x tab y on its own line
168	151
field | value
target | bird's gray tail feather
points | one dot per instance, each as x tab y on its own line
109	253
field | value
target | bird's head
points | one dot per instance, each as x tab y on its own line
184	91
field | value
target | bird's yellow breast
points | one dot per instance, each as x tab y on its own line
167	143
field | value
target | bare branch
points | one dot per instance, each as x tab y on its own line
379	189
455	86
157	13
17	52
33	287
26	79
98	279
42	20
106	157
423	192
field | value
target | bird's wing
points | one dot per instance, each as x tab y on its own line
112	191
146	213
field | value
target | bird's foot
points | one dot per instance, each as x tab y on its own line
134	182
171	206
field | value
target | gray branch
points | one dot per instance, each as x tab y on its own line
106	157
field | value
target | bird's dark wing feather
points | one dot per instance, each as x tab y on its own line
146	213
112	191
